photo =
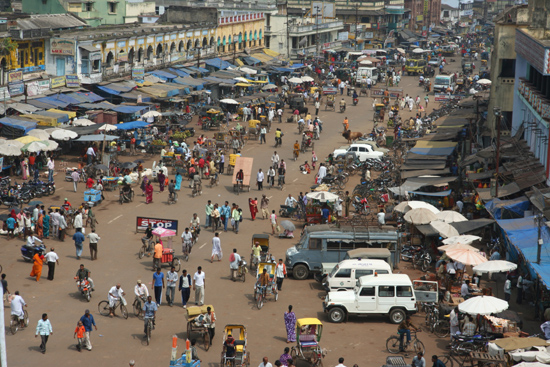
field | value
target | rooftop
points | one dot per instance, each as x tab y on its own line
447	7
51	21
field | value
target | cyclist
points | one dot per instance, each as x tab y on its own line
343	103
275	160
148	238
115	294
195	224
229	347
264	281
149	312
141	291
171	191
82	274
282	171
405	329
187	241
17	304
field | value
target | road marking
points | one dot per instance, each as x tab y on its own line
295	180
137	206
204	244
114	219
249	149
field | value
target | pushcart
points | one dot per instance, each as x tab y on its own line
245	164
91	197
196	317
165	235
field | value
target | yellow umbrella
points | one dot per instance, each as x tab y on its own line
27	139
243	85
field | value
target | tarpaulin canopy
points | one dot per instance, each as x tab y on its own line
179	72
129	109
65	98
262	57
472	225
188	71
43	119
427	230
25	125
516	207
201	70
86	97
423	172
163	75
214	79
116	88
97	137
437	193
134	95
506	190
249	60
71	114
61	117
98	106
415	183
132	125
218	63
23	107
434	147
55	103
40	105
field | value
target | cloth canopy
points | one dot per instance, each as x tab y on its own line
132	125
427	147
129	109
218	63
516	207
437	193
472	225
19	124
97	137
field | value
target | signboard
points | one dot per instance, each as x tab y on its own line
4	93
57	82
38	87
143	222
369	35
343	36
392	93
16	89
15	77
72	81
426	7
138	73
62	46
442	97
122	57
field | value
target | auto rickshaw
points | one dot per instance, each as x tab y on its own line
263	241
213	118
261	292
467	67
484	58
308	336
242	356
379	112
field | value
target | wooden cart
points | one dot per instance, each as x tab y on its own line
195	323
245	164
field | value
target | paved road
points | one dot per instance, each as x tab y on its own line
118	340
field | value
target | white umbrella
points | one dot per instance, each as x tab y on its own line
400	50
322	196
365	62
307	79
50	145
466	256
40	134
151	114
34	147
418	51
241	79
465	239
483	305
295	80
10	149
450	216
83	122
269	86
107	127
456	246
484	82
229	101
495	266
406	206
444	229
61	134
419	216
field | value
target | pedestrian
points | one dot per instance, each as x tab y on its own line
216	248
264	203
77	222
234	260
51	167
260	179
76	177
265	363
263	131
46	220
273	219
94	239
5	291
157	256
79	335
158	285
280	273
148	192
225	213
208	211
317	106
221	163
51	259
211	321
88	321
171	280
78	238
184	287
44	329
253	206
162	180
426	100
507	289
38	261
62	227
199	285
236	218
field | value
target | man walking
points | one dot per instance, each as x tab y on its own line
171	280
260	179
88	321
264	204
158	285
77	223
280	273
54	217
51	259
44	329
184	287
234	260
62	228
94	239
263	131
78	238
225	213
317	106
76	177
208	210
199	284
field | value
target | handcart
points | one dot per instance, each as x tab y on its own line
91	197
245	164
254	128
308	336
165	235
196	323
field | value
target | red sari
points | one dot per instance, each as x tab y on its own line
148	193
253	205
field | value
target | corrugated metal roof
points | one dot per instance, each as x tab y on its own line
50	21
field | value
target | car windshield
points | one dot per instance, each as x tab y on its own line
300	244
334	270
441	80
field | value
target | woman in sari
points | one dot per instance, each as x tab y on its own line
178	181
285	358
37	265
253	206
144	184
148	193
24	169
46	225
290	323
162	178
40	226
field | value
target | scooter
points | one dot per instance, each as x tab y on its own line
355	101
28	252
342	108
84	288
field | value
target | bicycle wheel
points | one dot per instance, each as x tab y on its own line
442	328
103	308
425	265
418	347
14	324
142	251
148	332
206	340
124	311
392	344
137	308
176	263
243	275
260	302
446	359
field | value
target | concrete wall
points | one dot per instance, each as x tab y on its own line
134	9
40	7
101	9
186	14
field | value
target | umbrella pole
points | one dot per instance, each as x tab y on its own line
103	147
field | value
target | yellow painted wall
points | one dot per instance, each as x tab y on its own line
233	29
31	53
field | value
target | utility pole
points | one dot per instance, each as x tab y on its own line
287	32
356	26
199	56
317	7
498	115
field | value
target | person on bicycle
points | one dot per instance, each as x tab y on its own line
172	190
17	304
278	137
264	281
115	295
148	238
418	360
275	160
405	329
196	181
149	312
141	291
195	224
187	241
82	274
229	347
271	176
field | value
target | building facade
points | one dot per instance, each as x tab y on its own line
449	14
424	14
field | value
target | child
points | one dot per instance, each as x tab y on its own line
313	159
79	334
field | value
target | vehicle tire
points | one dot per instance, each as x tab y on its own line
405	256
392	344
137	309
442	328
464	349
148	336
418	347
294	354
103	308
124	311
26	317
276	294
206	341
260	301
243	274
300	272
176	263
51	190
446	360
336	314
397	316
88	296
14	325
425	265
141	252
247	359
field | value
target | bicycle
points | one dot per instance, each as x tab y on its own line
393	344
149	328
138	308
146	248
172	198
15	323
105	310
186	250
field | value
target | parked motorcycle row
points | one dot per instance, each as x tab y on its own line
15	195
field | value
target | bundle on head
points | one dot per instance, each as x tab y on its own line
351	136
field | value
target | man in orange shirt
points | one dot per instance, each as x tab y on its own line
133	146
157	257
32	160
79	334
346	124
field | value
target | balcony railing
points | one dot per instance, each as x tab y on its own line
536	99
304	28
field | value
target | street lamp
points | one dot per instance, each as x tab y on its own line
198	55
235	41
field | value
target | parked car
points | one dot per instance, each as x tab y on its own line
435	62
361	151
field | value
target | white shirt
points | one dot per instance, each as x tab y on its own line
31	240
235	264
78	221
265	364
187	237
51	257
115	293
275	158
464	290
17	304
322	172
171	278
273	218
260	177
459	205
508	286
290	201
94	238
381	218
199	279
141	290
50	164
280	271
90	151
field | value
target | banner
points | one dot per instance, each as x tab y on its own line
138	73
426	7
62	46
143	222
72	81
15	77
4	93
38	87
57	82
16	89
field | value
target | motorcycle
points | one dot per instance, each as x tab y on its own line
28	252
417	255
342	108
355	101
84	288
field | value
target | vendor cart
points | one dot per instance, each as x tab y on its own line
330	92
110	183
196	323
165	236
245	164
254	128
91	197
212	119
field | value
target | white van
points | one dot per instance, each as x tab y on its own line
442	82
366	72
344	275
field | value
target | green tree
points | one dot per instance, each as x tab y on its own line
7	46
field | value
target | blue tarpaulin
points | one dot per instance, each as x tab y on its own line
200	70
61	117
516	207
438	193
179	72
218	63
65	98
129	109
56	103
132	125
189	71
163	75
98	106
87	97
24	125
297	66
134	94
116	88
109	90
282	70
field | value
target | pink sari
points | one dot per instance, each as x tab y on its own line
148	193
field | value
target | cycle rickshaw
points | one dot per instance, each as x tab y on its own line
196	323
307	141
263	241
261	292
330	103
167	251
379	112
242	356
308	336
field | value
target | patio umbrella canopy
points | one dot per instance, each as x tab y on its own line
464	239
495	266
151	114
83	122
450	216
229	101
288	225
40	134
10	148
60	134
107	127
295	80
269	86
420	216
484	81
483	305
34	147
307	79
444	229
457	246
465	256
27	139
322	196
406	206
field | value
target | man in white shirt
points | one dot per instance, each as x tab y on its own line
90	153
51	167
340	362
185	287
199	284
260	179
322	173
459	205
115	294
290	201
94	239
17	304
141	291
464	290
78	221
186	241
234	259
381	216
76	177
265	363
455	327
171	280
280	273
275	159
51	259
